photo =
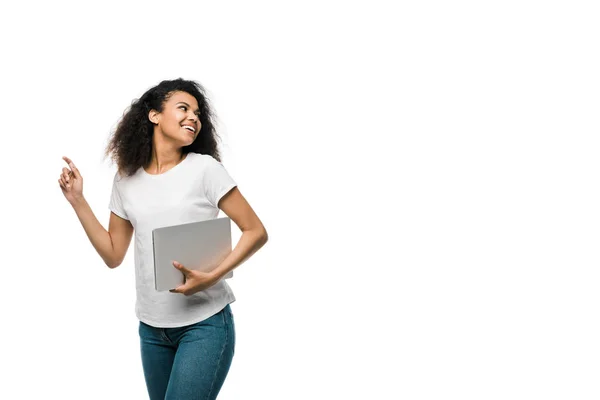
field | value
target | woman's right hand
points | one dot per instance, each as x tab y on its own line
71	182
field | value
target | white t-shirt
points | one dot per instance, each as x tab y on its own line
188	192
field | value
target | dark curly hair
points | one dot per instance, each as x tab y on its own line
130	147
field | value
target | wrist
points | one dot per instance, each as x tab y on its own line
216	275
77	201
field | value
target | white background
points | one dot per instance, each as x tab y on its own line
427	172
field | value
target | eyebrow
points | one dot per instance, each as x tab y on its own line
183	102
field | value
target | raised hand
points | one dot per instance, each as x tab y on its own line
71	182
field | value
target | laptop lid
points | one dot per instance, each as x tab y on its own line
200	245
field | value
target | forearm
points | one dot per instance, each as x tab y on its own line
99	237
249	243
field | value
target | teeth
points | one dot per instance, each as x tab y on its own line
189	128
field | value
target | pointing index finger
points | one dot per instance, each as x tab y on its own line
68	160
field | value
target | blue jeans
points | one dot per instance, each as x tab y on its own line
188	362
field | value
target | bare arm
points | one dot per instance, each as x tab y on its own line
254	234
111	245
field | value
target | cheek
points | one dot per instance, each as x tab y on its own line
175	121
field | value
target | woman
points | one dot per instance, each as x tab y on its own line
169	173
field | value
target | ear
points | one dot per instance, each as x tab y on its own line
153	116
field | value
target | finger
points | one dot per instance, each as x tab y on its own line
64	183
66	186
179	289
72	165
66	174
181	267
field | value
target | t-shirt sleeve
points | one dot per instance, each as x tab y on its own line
217	181
116	202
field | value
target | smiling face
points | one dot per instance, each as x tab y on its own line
180	119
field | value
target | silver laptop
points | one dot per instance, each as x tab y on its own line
198	245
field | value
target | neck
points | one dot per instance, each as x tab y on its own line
164	161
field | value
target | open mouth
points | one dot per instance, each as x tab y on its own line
189	129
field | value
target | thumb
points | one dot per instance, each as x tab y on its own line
182	268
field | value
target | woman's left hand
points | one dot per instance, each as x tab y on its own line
195	281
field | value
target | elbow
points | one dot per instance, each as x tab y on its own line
113	264
264	237
259	236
